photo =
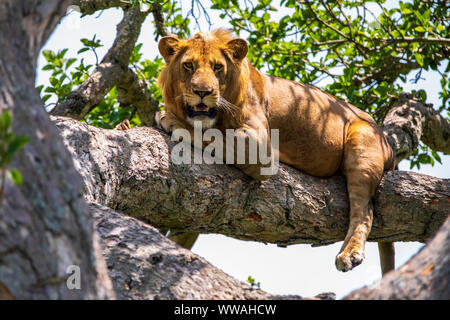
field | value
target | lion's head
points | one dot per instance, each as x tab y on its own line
203	76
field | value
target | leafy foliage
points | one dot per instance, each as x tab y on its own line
252	282
362	53
68	73
9	146
147	70
65	77
108	113
175	21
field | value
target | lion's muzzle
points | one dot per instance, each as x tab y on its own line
201	110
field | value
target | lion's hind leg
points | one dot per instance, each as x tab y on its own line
363	166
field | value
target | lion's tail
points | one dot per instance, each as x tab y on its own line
389	157
387	249
387	256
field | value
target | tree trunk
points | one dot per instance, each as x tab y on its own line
43	225
131	171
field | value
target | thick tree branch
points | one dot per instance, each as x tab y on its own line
131	172
128	31
144	264
133	91
91	6
409	121
91	92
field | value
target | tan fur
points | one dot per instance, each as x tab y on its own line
318	133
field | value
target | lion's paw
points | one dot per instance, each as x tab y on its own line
158	118
163	121
124	125
348	259
166	121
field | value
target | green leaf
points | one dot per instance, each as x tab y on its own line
423	95
50	90
436	156
70	62
17	144
5	120
46	97
48	55
39	88
82	50
54	82
419	58
86	42
424	158
405	8
420	29
48	67
15	176
62	53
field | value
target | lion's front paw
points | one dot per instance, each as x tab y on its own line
158	117
348	259
166	121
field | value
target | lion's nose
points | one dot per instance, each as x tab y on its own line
202	93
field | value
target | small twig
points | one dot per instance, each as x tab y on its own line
96	56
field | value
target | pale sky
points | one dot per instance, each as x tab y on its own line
298	269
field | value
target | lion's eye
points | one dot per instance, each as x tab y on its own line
188	65
218	67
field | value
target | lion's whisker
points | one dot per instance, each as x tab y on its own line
227	106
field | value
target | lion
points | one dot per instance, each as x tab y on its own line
209	79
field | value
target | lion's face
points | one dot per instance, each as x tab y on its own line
197	72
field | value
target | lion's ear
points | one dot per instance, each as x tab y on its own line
168	46
238	48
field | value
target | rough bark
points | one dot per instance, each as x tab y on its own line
425	276
91	6
144	264
133	91
43	224
411	120
131	171
160	22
